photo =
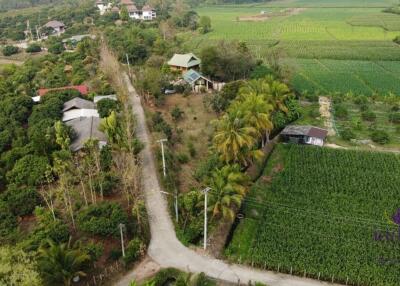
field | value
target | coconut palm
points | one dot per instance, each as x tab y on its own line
256	113
228	187
233	139
59	263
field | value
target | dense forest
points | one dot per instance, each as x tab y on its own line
18	4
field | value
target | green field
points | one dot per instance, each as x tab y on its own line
315	211
352	32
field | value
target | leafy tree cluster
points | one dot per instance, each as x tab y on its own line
227	61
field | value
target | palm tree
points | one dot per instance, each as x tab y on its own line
59	263
228	186
233	140
256	113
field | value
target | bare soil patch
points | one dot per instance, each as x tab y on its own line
264	16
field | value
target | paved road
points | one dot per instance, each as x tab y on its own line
166	249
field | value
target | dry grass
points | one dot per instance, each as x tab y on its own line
196	128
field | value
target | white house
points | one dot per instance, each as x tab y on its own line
103	6
148	13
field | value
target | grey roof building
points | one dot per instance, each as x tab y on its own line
85	129
304	134
78	103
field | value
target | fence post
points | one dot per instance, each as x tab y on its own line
347	280
291	270
279	267
305	273
265	265
319	274
333	276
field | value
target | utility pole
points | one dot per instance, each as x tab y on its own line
176	203
161	141
121	226
129	65
205	192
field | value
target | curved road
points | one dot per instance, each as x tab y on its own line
165	249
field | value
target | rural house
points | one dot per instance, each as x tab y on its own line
58	27
146	13
103	6
304	135
197	81
184	62
78	108
85	129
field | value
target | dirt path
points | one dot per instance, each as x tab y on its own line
325	111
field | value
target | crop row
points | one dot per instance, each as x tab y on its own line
319	215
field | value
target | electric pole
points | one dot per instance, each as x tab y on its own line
205	191
163	157
129	65
121	226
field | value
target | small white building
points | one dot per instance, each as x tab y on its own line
148	13
103	6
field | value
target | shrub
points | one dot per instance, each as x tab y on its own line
56	48
102	219
22	201
133	250
164	276
105	106
261	71
95	250
397	40
10	50
361	100
106	183
8	222
106	159
183	158
368	115
364	107
341	111
177	113
34	48
394	117
29	170
192	149
115	254
137	146
380	137
347	134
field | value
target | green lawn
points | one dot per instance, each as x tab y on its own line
315	212
356	31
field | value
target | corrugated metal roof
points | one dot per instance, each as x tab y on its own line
79	113
184	60
305	130
54	24
83	89
97	98
78	103
192	76
85	129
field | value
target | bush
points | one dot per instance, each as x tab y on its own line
394	117
95	250
177	113
192	150
182	158
261	71
106	159
347	134
29	170
105	106
22	201
34	48
106	183
10	50
102	219
137	145
397	40
115	254
368	115
8	222
361	100
133	250
380	137
341	111
56	48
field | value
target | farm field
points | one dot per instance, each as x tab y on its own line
319	212
354	33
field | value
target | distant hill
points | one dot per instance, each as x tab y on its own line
18	4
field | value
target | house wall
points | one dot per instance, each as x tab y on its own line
148	15
315	141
